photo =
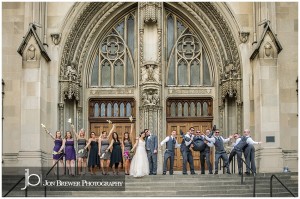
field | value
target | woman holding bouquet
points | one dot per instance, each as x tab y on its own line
82	152
103	145
93	156
57	145
126	147
68	144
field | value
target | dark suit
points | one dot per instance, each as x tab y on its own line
151	145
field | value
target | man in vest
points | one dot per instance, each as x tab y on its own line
220	150
240	144
171	144
186	151
205	154
249	152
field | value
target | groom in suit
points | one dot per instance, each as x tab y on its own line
151	148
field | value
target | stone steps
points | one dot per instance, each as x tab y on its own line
221	185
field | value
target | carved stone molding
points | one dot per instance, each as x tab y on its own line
56	37
244	36
114	91
205	91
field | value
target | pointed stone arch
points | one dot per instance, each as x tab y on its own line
86	22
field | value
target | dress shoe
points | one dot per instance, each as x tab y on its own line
240	173
193	173
202	173
228	172
247	173
210	173
171	174
184	173
153	173
216	172
164	173
150	174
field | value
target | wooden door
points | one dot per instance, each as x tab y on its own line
184	126
121	128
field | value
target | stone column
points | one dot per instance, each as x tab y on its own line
266	101
150	67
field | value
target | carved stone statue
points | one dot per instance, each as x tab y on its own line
150	72
150	97
71	73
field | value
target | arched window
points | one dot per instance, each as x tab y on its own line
113	64
186	57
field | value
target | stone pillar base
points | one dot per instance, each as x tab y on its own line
9	159
269	160
29	159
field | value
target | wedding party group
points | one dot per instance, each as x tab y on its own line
140	158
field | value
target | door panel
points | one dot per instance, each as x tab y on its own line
184	126
121	128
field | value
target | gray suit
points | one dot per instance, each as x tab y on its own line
151	145
249	154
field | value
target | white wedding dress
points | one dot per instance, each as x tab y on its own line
139	165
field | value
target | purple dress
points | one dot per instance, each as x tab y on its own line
70	150
57	145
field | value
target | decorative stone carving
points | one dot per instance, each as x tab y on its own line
71	72
244	36
33	50
56	37
31	53
268	50
150	11
230	82
204	91
150	72
150	97
70	84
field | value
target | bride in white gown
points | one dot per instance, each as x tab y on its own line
139	166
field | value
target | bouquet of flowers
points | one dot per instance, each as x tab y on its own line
55	153
128	154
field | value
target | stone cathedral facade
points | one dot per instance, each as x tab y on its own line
168	65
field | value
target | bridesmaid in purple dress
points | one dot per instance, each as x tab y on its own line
57	145
68	144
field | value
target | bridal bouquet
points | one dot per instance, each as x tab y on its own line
128	155
55	153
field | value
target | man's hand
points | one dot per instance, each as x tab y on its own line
155	151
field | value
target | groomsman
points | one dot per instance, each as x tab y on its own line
171	144
186	151
240	145
151	148
249	152
205	154
220	150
